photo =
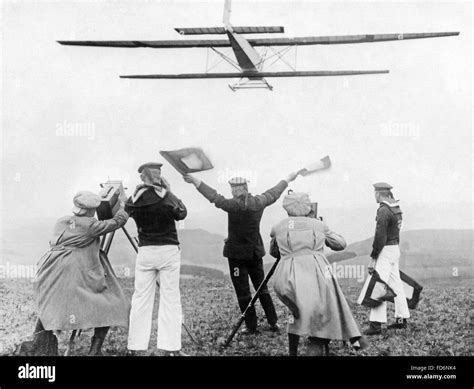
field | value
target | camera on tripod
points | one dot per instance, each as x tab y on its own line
314	212
111	194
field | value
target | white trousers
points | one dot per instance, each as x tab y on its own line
387	267
163	263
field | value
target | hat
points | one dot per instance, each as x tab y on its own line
381	186
297	204
150	165
235	181
85	200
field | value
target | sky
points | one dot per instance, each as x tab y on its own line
69	122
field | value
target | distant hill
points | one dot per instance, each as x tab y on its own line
453	243
198	247
27	244
426	253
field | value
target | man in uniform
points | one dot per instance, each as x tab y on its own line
385	256
155	209
244	246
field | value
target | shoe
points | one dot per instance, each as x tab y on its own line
178	353
399	324
273	328
360	344
45	343
26	348
315	348
375	328
249	331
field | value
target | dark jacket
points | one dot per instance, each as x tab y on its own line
387	231
155	218
244	215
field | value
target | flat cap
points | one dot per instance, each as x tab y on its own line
85	200
379	186
235	181
150	165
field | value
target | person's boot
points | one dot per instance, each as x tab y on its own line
44	343
359	343
375	328
274	328
326	347
399	324
270	312
315	347
251	315
98	340
249	331
293	342
177	353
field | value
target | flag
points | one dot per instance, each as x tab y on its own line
322	164
188	160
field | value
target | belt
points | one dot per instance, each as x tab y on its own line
60	247
300	253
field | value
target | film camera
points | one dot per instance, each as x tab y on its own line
314	210
111	194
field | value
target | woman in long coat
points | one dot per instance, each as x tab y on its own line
76	287
304	281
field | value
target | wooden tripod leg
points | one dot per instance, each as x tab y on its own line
130	239
109	242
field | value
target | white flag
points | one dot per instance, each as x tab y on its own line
322	164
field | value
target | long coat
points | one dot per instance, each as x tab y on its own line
244	214
76	287
304	281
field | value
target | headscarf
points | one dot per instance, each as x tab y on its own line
297	204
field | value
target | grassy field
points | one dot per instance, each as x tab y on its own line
441	325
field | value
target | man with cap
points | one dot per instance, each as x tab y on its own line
75	284
155	210
385	259
244	246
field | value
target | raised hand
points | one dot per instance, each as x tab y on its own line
291	177
192	180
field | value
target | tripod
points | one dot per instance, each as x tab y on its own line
105	244
250	305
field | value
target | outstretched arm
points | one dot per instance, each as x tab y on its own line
270	196
102	227
211	194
